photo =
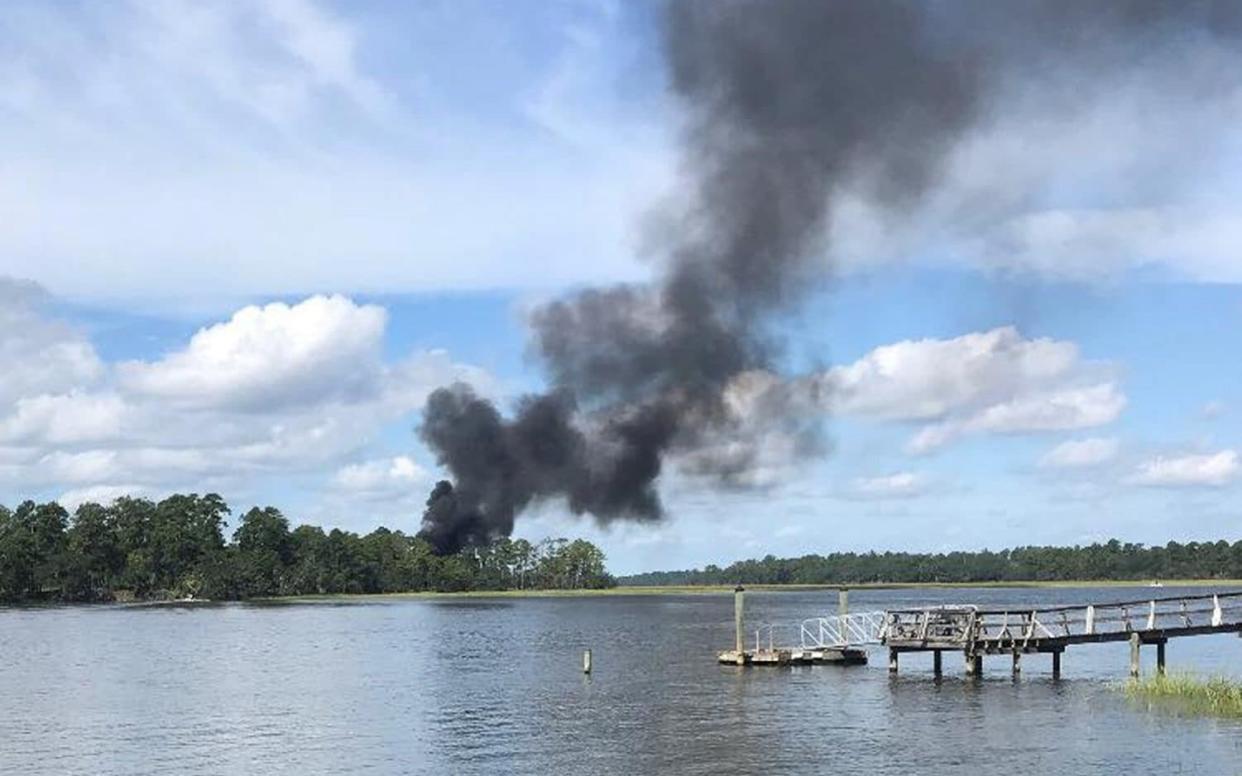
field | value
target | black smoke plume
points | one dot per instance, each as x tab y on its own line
788	104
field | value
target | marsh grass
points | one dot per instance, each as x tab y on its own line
1209	696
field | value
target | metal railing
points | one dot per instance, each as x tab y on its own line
967	626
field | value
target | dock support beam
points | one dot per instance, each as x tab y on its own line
1160	658
974	664
843	602
936	666
1017	663
1134	655
892	661
1056	664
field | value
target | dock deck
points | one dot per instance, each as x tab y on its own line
976	632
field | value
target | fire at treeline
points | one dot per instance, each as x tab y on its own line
176	548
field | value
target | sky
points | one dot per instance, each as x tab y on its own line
242	242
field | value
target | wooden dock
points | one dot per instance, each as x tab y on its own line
977	632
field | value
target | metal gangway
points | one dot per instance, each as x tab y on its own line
840	631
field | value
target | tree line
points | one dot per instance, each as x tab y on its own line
175	548
1111	560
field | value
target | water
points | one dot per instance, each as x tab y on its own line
494	686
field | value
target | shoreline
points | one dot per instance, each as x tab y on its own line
1166	590
707	590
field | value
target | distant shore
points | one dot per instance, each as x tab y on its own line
661	590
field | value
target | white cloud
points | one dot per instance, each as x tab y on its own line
42	355
985	382
1080	453
278	355
381	477
191	420
1213	470
891	486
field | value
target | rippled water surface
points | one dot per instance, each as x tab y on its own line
494	686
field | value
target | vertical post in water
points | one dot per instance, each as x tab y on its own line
1056	664
1017	662
738	606
974	664
892	660
586	662
843	604
936	667
1134	655
1160	658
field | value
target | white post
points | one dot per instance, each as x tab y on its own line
1216	613
1090	620
586	662
1151	616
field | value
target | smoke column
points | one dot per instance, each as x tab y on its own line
788	103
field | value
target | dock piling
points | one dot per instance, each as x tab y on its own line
586	662
1056	664
1017	663
892	661
974	664
937	669
1135	641
1160	658
738	607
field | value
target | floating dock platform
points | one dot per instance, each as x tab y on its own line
793	657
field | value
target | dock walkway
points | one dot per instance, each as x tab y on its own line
975	631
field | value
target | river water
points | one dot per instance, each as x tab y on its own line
494	686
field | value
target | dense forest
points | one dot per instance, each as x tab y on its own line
176	548
1111	560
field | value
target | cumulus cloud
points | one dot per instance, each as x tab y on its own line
985	382
263	357
1080	453
277	391
1195	470
381	478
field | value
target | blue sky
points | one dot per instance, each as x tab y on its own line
243	241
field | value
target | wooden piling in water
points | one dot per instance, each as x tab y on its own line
1135	641
1056	664
738	606
1160	658
586	662
937	669
1017	663
974	664
892	661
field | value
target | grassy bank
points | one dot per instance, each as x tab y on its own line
661	590
1189	694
